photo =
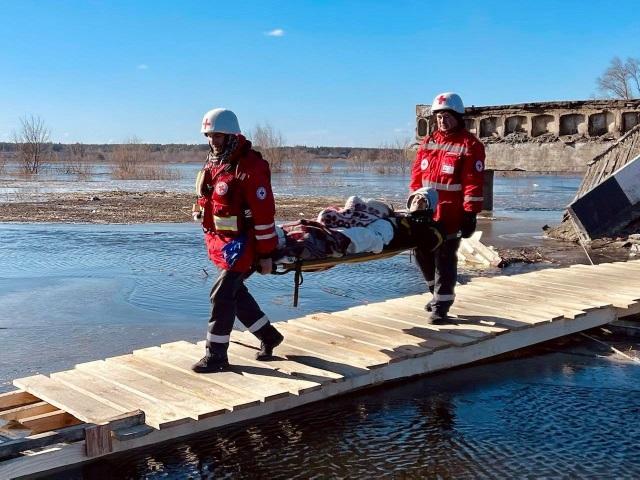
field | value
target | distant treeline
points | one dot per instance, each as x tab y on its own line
328	152
153	161
196	149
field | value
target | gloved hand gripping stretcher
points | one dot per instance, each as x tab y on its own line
361	231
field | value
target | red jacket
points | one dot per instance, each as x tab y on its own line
238	204
453	163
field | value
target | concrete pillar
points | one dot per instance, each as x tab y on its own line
555	125
487	191
618	127
500	125
529	126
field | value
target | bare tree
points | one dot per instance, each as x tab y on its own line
618	79
406	155
3	158
269	142
77	161
301	163
633	68
360	160
32	144
394	157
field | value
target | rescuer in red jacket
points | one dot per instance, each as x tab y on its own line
236	207
451	160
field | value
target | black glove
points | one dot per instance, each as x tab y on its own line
468	224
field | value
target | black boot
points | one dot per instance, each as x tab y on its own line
439	317
211	363
270	340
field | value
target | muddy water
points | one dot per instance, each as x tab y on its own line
75	293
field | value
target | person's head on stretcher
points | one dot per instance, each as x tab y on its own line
422	199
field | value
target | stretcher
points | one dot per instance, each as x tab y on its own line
319	265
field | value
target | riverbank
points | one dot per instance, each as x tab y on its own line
137	207
121	207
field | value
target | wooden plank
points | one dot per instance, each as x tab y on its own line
233	398
467	329
295	369
582	280
609	278
80	406
632	265
356	326
71	434
192	406
526	317
578	288
616	280
16	398
505	309
430	338
68	434
551	288
470	306
247	390
618	272
343	351
277	381
557	300
98	440
49	421
329	326
158	415
27	411
321	360
346	361
526	310
181	380
490	317
412	317
530	304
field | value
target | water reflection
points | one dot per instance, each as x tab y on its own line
522	191
568	414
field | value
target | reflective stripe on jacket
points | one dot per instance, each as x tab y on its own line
239	201
453	164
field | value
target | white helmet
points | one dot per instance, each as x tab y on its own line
448	101
220	120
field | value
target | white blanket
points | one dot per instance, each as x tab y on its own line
371	238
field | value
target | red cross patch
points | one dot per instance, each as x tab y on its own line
222	188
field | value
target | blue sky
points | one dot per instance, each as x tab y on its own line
322	72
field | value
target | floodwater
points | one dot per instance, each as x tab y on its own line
76	293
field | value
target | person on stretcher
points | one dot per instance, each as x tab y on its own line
361	226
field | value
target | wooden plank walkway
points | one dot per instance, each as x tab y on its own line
323	355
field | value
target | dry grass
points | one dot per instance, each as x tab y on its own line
133	161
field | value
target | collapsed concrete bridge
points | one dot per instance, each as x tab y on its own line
587	118
559	136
